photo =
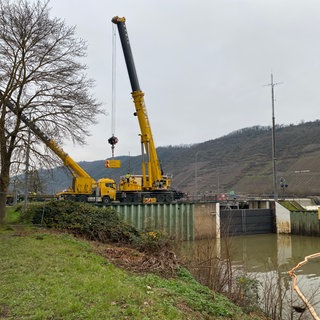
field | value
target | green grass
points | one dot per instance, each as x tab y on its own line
12	215
56	276
46	275
291	205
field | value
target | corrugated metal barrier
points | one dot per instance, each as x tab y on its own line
305	223
177	220
246	221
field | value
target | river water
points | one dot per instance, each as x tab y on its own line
267	258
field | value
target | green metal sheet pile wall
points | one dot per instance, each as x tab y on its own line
305	223
177	220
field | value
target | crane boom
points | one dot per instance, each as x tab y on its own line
84	187
67	160
151	186
153	178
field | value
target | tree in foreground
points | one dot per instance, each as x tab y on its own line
41	74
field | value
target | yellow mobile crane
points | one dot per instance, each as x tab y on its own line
84	187
152	185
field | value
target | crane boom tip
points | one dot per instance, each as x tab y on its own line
117	19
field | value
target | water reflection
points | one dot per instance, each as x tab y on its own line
258	253
267	256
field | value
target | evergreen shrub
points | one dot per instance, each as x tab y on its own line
94	223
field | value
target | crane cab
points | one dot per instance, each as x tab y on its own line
105	190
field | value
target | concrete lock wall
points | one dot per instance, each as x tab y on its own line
195	221
301	222
283	221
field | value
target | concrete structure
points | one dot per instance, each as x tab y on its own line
206	220
283	221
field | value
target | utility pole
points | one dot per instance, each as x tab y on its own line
196	173
274	159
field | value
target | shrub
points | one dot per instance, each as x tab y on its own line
94	223
247	293
101	224
154	241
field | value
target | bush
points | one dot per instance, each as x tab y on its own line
100	224
154	241
247	293
94	223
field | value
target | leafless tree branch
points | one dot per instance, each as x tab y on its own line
42	72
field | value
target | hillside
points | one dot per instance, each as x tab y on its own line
240	161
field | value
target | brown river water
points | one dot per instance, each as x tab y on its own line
266	258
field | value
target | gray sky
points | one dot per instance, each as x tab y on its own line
203	66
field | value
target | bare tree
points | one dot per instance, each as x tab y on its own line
35	184
41	73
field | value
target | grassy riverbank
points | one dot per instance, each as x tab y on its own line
45	275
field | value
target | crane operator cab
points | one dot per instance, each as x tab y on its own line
104	191
108	190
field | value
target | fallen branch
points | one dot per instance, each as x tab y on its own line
296	288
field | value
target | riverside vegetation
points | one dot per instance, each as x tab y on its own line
76	261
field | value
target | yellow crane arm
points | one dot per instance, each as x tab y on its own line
151	168
67	160
76	170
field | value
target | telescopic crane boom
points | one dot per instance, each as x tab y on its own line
153	178
84	187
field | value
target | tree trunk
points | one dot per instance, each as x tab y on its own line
3	198
4	185
42	82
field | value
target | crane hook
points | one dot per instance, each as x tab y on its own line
113	141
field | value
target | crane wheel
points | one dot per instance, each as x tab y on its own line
81	198
161	198
169	198
106	200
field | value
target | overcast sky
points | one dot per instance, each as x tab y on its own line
203	65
